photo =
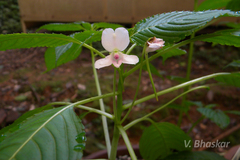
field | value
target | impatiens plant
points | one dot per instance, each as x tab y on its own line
52	132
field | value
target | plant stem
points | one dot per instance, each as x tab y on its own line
175	88
129	125
117	118
189	67
138	85
131	48
104	119
95	111
115	139
165	105
127	142
150	76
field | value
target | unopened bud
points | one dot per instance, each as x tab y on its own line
154	44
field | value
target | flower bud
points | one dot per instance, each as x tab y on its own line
154	44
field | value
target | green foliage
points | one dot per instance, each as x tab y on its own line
212	4
233	5
99	25
230	79
229	37
62	27
55	57
217	116
174	26
16	124
235	63
233	25
200	155
162	139
46	135
14	41
9	17
171	53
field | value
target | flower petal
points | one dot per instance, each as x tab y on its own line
117	63
109	39
103	62
129	59
122	38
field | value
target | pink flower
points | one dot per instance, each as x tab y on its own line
115	42
154	44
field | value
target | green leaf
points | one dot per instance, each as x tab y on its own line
198	155
230	79
171	53
62	27
229	37
162	139
196	103
233	112
55	57
153	70
233	5
212	4
234	64
233	25
105	25
216	116
47	135
88	36
15	125
174	26
23	40
179	107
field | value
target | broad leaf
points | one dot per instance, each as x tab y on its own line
161	139
233	25
174	26
212	4
171	53
69	55
47	135
230	79
88	36
62	27
198	155
14	41
15	125
105	25
234	64
229	37
55	57
179	107
233	5
216	116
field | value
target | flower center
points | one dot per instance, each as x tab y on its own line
116	56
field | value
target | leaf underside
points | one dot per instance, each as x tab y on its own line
174	26
217	116
56	140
